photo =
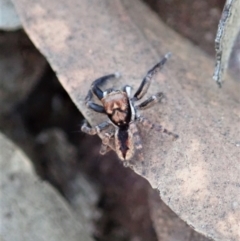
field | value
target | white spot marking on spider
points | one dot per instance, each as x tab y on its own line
97	129
105	94
117	75
128	90
168	55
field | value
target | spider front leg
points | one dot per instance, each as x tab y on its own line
149	125
98	92
143	88
150	101
104	149
96	129
106	138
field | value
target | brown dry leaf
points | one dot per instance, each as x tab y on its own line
198	175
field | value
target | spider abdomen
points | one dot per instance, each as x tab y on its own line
124	143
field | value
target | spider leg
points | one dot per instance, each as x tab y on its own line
127	89
95	107
98	82
98	92
137	141
101	81
136	137
149	125
143	88
150	101
104	149
107	143
96	129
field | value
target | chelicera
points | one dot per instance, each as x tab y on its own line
123	114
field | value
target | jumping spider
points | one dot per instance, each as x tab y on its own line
122	112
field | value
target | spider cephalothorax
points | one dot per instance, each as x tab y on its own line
116	105
122	112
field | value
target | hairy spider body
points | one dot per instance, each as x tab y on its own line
119	109
122	112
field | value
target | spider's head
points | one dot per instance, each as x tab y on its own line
116	105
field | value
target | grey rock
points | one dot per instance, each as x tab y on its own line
31	209
9	19
21	67
60	158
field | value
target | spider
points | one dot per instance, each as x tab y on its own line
123	114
